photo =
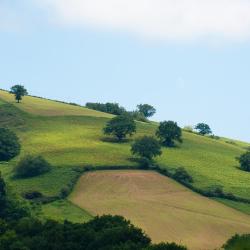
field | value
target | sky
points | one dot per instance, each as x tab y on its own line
188	58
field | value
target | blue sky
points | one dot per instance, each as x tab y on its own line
192	70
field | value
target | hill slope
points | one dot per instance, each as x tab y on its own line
76	140
70	137
162	207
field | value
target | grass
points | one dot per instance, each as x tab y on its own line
69	136
64	210
166	210
243	207
39	106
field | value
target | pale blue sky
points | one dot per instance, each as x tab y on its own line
190	74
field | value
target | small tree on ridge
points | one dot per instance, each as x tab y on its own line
19	91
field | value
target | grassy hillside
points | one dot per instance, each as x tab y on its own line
70	136
164	208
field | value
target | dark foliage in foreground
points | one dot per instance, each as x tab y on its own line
9	144
238	242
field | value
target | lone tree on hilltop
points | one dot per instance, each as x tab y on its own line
19	91
120	126
203	129
146	109
9	144
146	147
244	161
168	132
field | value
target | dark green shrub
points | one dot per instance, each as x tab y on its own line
181	175
31	195
168	132
9	144
238	242
244	161
146	147
120	126
31	166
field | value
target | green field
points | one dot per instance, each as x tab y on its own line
70	136
163	208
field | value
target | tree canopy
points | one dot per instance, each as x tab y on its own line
147	147
111	108
120	126
9	144
244	161
168	132
146	109
19	91
203	129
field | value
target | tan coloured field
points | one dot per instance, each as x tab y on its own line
166	210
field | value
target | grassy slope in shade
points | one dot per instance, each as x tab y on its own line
64	210
166	210
74	138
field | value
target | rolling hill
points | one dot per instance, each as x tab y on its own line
70	137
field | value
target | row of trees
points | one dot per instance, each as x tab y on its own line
142	112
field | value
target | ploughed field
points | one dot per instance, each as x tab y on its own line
166	210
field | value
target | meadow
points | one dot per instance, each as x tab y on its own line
70	137
166	210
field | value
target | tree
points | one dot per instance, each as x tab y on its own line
238	242
31	166
146	109
244	161
9	144
203	129
168	132
146	147
19	91
120	126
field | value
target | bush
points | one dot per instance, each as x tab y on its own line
31	195
238	242
181	175
9	145
244	161
31	166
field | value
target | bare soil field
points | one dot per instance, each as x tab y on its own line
166	210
